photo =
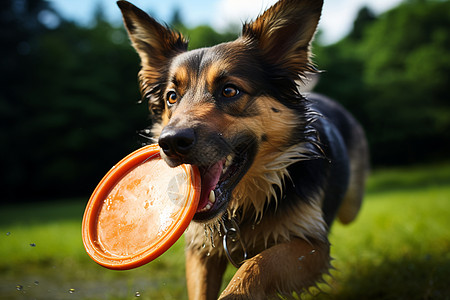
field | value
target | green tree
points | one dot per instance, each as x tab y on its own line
343	68
407	70
365	18
20	24
200	36
177	20
87	105
205	36
77	115
393	72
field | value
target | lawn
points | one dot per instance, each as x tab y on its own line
398	248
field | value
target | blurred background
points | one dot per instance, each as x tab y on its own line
68	88
69	110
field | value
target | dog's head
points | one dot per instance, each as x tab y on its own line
226	109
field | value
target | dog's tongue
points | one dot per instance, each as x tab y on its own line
210	178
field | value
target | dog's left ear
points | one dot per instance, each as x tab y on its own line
283	33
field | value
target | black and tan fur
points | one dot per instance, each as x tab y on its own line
292	164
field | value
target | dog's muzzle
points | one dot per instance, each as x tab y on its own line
177	143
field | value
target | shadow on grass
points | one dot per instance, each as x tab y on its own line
409	178
30	213
405	279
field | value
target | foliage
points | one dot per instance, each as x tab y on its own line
70	113
200	36
395	77
205	36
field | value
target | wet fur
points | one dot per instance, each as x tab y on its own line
309	156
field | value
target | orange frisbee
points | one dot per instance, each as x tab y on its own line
139	210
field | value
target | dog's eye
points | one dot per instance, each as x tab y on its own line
172	97
230	91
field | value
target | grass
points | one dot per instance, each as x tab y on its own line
398	248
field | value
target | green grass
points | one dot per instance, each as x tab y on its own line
398	248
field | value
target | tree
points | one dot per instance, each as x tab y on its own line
75	114
393	73
407	70
21	22
364	19
343	68
205	36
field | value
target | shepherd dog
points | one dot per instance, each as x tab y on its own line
277	165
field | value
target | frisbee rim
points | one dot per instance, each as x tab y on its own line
165	241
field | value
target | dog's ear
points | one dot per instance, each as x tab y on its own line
283	33
156	45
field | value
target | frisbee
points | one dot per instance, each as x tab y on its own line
139	210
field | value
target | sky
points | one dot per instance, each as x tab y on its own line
336	22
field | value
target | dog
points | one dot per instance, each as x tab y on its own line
277	167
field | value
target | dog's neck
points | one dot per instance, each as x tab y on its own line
259	186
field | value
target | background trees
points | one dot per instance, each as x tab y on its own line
393	73
68	103
68	94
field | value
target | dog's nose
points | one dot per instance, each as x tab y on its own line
177	142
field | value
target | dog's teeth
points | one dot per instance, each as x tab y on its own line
212	197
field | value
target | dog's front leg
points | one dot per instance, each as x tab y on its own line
282	269
204	274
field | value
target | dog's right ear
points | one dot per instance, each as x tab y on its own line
155	44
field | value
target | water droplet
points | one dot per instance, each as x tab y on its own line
212	236
137	294
208	254
36	282
312	251
301	258
8	233
19	287
205	237
71	291
33	245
